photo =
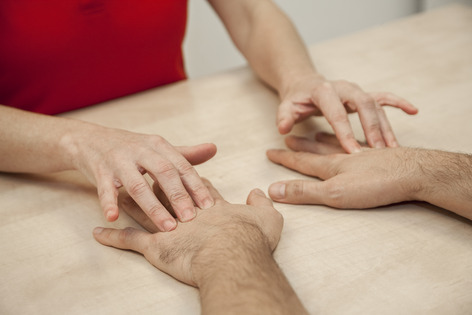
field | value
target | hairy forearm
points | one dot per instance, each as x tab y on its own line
268	40
446	180
34	143
236	278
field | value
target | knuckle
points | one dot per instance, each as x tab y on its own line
102	193
335	195
137	187
298	158
166	169
296	189
339	117
184	167
155	211
125	234
200	190
325	87
178	196
365	100
157	140
373	128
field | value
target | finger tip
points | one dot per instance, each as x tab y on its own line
208	203
188	216
277	191
111	215
259	192
169	225
355	150
284	126
98	230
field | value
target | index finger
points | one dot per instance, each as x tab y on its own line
332	108
320	166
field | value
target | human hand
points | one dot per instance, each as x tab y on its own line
112	158
184	252
368	179
313	95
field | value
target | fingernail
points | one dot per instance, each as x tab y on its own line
208	203
277	191
187	215
259	192
356	150
109	215
379	145
97	230
169	225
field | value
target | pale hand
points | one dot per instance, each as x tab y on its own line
313	95
112	158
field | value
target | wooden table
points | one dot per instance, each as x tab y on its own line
410	258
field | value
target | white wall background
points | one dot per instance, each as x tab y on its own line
208	48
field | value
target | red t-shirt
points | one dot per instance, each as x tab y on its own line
60	55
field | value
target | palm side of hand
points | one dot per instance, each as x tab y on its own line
367	179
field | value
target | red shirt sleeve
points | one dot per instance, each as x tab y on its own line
61	55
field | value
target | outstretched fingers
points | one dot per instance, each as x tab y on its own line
298	192
197	154
305	163
314	146
390	99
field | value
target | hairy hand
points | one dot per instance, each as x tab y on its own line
367	179
112	158
223	227
334	100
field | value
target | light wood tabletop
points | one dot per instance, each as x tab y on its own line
409	258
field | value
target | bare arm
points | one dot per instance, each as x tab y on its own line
226	252
109	158
373	177
271	44
33	143
445	180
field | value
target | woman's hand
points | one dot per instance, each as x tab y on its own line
313	95
112	158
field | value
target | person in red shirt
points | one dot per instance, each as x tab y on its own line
58	56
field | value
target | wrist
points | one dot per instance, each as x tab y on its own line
446	180
236	274
73	141
297	78
229	252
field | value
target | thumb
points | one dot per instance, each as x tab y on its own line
298	192
128	238
198	154
257	198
